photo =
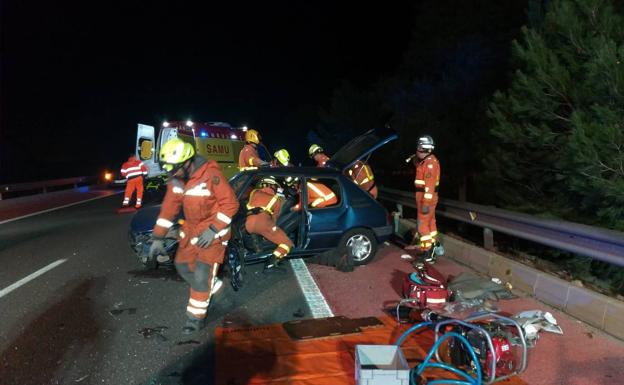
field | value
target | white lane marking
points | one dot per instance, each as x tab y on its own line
57	208
29	278
316	302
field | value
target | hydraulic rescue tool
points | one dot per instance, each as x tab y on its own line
497	342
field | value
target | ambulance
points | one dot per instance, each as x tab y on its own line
213	140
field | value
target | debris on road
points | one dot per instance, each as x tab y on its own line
188	342
468	286
116	312
299	313
155	331
81	378
532	321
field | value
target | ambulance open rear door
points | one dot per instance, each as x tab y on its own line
146	150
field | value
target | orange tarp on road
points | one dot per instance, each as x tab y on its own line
266	355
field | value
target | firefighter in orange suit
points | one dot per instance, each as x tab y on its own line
426	183
248	159
133	170
198	187
363	176
319	196
317	153
263	210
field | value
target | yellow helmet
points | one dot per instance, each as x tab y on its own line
283	156
252	136
314	149
174	153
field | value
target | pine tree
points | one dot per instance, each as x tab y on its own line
558	131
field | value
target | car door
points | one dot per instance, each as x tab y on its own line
325	224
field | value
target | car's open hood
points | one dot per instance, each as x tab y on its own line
361	147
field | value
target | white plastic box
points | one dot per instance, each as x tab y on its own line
380	365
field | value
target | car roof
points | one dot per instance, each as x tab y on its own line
287	171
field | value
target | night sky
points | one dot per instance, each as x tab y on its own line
78	77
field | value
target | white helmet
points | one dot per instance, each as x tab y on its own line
426	143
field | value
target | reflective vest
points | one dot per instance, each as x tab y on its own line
362	175
266	199
133	168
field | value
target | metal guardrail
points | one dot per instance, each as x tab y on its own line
43	185
597	243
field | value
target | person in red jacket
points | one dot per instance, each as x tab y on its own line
248	158
198	187
426	183
133	170
263	210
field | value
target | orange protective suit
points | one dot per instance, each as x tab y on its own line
321	159
319	196
133	170
248	159
426	182
208	201
268	203
363	176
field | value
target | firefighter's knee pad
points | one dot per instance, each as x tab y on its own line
185	271
202	273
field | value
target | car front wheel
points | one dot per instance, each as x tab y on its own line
361	243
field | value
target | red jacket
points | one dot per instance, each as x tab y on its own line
428	177
248	159
133	168
207	199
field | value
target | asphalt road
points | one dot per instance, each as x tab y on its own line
98	318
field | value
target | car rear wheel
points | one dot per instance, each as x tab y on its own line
361	243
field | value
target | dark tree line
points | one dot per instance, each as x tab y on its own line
525	100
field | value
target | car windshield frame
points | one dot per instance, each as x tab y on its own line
239	182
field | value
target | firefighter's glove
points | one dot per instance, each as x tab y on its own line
205	239
157	248
425	210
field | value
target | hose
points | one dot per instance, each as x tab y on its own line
450	369
425	364
473	356
409	331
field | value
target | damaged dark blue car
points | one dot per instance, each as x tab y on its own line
356	223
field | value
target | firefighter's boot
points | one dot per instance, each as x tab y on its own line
429	256
193	325
274	265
